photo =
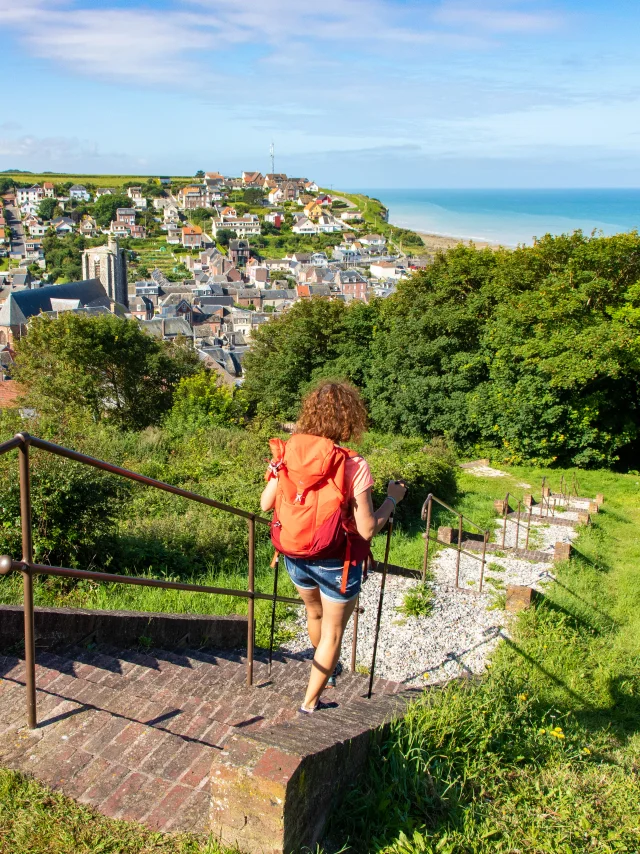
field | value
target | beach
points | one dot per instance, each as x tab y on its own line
442	242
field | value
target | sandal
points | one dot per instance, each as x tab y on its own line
319	706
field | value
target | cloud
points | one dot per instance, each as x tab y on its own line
55	149
496	18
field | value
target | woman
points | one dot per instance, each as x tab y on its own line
334	411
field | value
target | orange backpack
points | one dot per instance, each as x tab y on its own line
311	506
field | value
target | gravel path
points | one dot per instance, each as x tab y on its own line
463	628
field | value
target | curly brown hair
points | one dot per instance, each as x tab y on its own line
334	410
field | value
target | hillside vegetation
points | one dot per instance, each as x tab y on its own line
524	355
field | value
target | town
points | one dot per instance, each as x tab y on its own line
208	259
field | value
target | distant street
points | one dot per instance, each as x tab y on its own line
13	222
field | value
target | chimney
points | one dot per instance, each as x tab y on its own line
162	326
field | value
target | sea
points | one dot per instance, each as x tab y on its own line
511	217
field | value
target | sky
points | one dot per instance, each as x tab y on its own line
353	93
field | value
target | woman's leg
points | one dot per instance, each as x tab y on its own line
313	605
335	616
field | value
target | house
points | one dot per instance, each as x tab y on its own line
138	232
38	228
308	291
300	259
328	224
141	307
214	179
290	191
252	179
242	226
275	196
313	210
192	196
171	215
276	178
3	237
126	216
374	241
88	227
311	187
164	180
305	226
49	190
135	194
23	304
275	218
319	259
33	248
78	193
29	198
62	225
388	270
351	216
258	275
105	191
351	283
239	252
192	236
346	255
120	229
174	235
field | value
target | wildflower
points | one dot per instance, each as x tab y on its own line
541	731
522	697
556	732
586	751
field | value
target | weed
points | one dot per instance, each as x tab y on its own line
495	567
418	601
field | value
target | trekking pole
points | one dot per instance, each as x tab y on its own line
275	563
382	584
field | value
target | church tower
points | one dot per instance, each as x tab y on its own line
109	265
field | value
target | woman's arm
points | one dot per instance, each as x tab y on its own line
268	497
369	521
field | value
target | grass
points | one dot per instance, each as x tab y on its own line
543	755
34	820
418	601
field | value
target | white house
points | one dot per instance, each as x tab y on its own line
243	226
105	191
373	241
385	270
305	226
78	193
328	224
29	196
351	216
275	196
135	194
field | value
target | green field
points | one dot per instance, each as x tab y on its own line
98	180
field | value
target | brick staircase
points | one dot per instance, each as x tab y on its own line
136	734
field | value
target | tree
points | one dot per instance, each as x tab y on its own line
253	196
202	401
200	173
224	235
104	210
102	366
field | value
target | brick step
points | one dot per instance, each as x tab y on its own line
136	734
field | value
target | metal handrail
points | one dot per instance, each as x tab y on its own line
516	521
22	442
426	515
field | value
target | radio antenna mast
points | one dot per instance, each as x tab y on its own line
272	154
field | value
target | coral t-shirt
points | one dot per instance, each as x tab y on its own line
358	476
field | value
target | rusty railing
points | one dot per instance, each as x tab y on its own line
517	521
426	516
23	442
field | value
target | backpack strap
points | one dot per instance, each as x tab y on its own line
277	454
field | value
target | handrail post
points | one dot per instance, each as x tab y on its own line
27	582
425	564
251	602
526	542
518	524
354	642
505	513
485	540
459	549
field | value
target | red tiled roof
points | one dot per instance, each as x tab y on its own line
10	391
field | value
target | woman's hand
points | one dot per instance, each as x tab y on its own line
396	489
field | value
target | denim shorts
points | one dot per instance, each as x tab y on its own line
325	574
